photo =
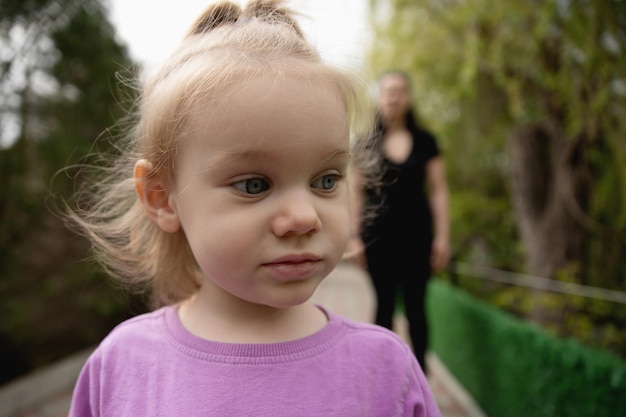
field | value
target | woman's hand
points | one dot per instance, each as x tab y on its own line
439	254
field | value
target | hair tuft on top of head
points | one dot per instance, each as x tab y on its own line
215	15
272	11
224	13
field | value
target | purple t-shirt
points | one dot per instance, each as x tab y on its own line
151	366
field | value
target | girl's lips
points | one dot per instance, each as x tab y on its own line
295	258
294	267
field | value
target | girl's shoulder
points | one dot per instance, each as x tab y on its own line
373	341
143	328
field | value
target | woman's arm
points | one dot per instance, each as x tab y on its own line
439	205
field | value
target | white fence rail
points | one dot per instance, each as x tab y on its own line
538	283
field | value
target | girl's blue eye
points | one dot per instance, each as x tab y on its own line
252	186
326	183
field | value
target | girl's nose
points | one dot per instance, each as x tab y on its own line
296	215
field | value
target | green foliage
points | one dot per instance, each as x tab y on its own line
54	300
487	226
483	69
512	368
13	10
597	323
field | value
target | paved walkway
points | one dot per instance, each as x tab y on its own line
346	291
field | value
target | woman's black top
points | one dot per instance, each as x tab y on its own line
403	222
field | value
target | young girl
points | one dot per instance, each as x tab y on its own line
231	207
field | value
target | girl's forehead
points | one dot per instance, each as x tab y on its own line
273	103
263	113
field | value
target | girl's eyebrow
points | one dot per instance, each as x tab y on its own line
342	154
256	154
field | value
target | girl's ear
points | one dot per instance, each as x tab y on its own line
154	195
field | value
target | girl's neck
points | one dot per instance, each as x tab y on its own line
250	323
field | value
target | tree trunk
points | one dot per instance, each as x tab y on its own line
550	191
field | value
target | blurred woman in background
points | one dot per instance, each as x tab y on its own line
408	239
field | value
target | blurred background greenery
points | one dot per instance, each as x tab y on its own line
528	98
59	97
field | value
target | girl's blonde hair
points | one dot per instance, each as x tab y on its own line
226	46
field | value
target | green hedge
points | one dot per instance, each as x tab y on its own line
513	368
